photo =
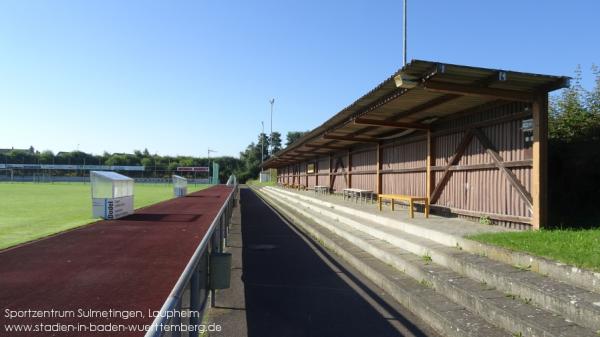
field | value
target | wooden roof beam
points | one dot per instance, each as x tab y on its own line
325	146
352	139
470	90
400	125
296	155
309	152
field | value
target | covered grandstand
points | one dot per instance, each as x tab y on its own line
472	140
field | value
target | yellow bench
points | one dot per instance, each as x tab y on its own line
407	198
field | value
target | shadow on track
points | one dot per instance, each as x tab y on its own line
291	291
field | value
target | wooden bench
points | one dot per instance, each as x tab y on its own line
320	189
295	186
357	194
407	198
299	187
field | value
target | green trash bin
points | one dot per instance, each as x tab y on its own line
220	270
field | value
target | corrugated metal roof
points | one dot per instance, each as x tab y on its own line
442	89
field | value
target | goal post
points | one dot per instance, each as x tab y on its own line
7	174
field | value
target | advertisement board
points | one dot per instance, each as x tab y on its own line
112	208
192	169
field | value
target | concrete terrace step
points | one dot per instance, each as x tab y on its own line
575	304
438	311
451	232
517	316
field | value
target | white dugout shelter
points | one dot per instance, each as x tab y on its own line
179	186
112	194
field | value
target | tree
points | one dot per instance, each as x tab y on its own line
593	97
148	163
263	143
574	114
250	161
46	157
275	141
293	136
115	160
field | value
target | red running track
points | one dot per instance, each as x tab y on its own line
126	264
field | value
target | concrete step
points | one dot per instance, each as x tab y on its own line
454	236
444	315
576	304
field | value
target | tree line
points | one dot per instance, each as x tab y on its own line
574	115
574	155
245	167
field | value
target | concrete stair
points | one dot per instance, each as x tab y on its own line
492	298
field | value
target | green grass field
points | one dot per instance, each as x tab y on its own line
576	247
30	211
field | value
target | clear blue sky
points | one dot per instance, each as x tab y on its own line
177	77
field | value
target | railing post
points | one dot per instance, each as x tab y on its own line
194	301
215	246
176	321
222	232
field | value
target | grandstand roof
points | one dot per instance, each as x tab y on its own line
414	98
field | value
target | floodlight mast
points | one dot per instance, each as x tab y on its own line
262	145
208	152
272	101
404	35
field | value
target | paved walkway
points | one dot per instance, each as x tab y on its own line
130	264
292	287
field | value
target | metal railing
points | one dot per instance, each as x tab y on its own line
191	292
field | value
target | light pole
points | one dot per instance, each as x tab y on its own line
262	145
272	101
404	35
208	152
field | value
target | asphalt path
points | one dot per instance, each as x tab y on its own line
293	287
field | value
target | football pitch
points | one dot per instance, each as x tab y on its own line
29	211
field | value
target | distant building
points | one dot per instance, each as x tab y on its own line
13	149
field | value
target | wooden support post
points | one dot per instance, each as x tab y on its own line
306	172
317	172
539	173
349	168
379	159
430	183
330	171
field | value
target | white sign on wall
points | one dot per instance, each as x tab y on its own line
112	208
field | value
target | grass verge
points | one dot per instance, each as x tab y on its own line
31	211
576	247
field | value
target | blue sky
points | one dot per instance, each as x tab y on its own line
177	77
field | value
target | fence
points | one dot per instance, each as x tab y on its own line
44	178
192	290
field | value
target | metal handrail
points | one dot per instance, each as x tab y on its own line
174	298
